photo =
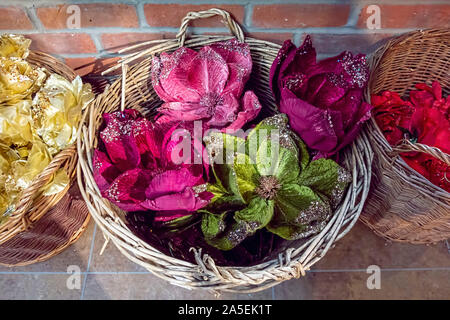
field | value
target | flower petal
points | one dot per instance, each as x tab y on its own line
251	108
119	140
104	171
170	76
128	190
239	61
208	72
185	200
225	112
171	181
311	123
183	111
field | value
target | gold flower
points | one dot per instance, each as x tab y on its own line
14	46
56	111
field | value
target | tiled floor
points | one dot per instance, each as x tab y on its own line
407	272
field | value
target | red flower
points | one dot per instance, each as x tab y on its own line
426	118
392	114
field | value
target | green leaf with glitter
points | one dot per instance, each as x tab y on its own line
245	222
225	181
212	224
257	214
326	177
290	196
293	200
246	176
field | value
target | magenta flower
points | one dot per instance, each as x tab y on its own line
137	171
206	85
323	100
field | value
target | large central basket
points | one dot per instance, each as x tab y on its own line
291	262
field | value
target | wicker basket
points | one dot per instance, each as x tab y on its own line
42	226
205	274
403	205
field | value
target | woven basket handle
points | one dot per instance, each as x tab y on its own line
234	27
407	146
27	195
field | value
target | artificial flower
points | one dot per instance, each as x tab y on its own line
18	79
20	166
38	118
268	181
206	85
393	115
14	46
424	118
16	123
138	171
56	110
323	100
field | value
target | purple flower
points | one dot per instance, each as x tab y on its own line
136	172
323	100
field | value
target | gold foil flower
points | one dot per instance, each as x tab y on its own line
56	111
18	80
16	123
39	117
14	46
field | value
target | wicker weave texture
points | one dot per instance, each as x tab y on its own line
403	205
135	87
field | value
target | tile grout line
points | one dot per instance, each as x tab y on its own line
89	262
147	272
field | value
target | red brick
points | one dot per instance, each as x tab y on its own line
163	15
92	15
90	65
300	15
113	42
271	37
410	16
13	18
59	43
336	43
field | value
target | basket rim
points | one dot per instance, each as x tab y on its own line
288	268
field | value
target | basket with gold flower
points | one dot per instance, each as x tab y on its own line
41	103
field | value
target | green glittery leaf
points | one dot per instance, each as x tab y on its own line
225	233
325	177
272	186
247	176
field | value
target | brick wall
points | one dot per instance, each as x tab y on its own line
106	26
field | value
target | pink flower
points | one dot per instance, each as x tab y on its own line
323	100
206	85
137	172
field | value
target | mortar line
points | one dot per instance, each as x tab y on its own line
89	262
47	3
200	30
